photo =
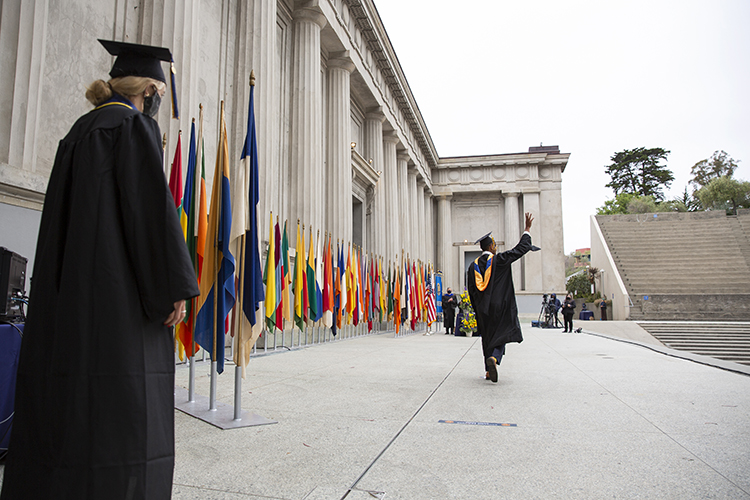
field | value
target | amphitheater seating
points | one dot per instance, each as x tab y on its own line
679	266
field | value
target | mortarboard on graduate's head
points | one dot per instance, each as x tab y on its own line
133	59
485	242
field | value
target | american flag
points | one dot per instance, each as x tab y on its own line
429	299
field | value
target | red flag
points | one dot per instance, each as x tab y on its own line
327	284
175	175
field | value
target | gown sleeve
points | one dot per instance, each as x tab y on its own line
154	238
515	253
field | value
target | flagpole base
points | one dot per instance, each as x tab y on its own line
222	417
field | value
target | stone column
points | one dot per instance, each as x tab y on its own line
430	221
306	172
512	233
170	23
373	148
274	191
23	34
392	210
445	257
412	214
338	200
421	231
532	263
402	166
551	218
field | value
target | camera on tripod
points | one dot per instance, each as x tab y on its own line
547	313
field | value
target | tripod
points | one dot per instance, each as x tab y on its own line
549	318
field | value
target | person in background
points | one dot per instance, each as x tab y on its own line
95	390
449	311
568	309
490	284
556	305
603	309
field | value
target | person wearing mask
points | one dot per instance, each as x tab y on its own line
568	309
449	311
94	397
555	306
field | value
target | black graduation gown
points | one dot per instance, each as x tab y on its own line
449	310
94	398
495	307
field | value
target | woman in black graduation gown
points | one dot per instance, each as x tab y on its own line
94	398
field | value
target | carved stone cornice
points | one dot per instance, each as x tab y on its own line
368	22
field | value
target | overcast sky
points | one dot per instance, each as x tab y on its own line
594	77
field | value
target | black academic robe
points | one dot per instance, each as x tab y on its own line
495	307
449	310
94	397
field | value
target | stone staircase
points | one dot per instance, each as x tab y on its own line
682	266
729	341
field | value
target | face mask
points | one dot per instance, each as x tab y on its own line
151	104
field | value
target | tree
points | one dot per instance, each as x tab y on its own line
638	171
719	165
579	284
627	203
724	193
644	205
617	205
685	202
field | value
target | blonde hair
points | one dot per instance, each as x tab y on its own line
100	91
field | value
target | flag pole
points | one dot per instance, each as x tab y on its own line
193	304
239	341
214	363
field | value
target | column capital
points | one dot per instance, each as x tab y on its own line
402	155
340	60
511	194
310	12
391	137
444	196
375	114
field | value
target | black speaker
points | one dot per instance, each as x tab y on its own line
12	285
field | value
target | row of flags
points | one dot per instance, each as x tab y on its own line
213	238
333	285
330	286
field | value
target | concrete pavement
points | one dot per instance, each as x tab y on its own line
572	416
605	414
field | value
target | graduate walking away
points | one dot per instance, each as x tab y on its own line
493	297
94	397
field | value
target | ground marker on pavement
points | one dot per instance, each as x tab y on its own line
465	422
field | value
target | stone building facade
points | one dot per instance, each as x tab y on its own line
342	144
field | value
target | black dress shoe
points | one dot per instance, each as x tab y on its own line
491	364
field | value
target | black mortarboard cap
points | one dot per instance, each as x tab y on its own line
486	236
142	60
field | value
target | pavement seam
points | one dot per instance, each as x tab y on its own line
248	495
353	487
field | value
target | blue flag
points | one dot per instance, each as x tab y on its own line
252	291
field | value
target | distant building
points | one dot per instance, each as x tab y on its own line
583	257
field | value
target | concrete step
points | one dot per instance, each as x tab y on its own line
729	341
